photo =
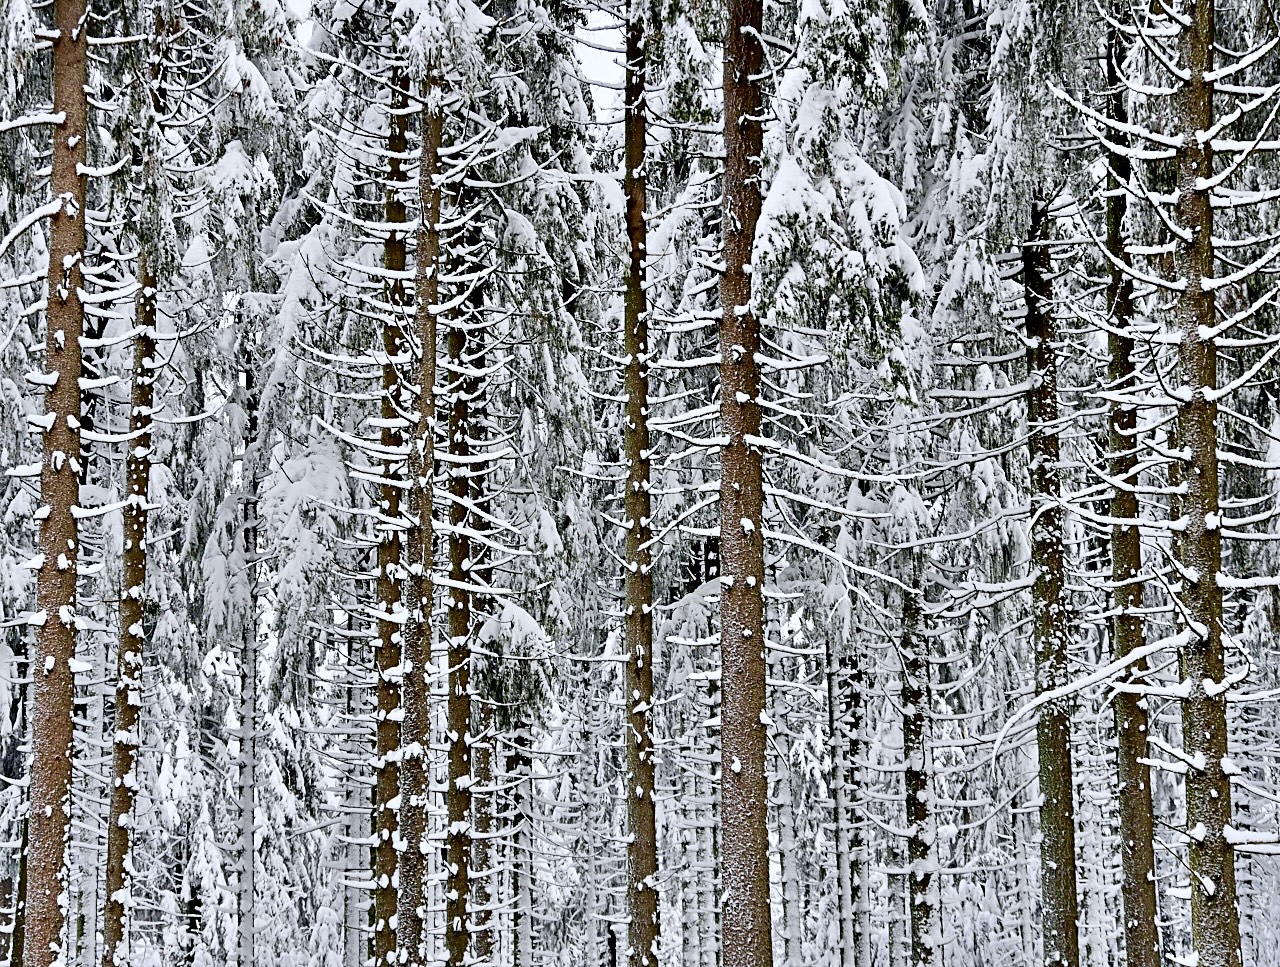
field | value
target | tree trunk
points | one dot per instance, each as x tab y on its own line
747	931
859	843
484	797
522	849
642	846
1052	629
416	727
390	568
1137	826
457	932
1215	925
132	636
245	887
482	804
917	784
838	745
53	689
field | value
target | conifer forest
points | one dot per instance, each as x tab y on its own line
639	483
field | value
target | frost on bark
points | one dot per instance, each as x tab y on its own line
1051	621
416	688
483	916
390	570
120	818
246	890
1137	833
485	879
746	926
1215	925
457	931
52	680
642	846
917	783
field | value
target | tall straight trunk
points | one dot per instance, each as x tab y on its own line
416	688
838	746
917	784
457	932
390	567
642	845
53	688
747	931
1137	825
521	769
859	842
1215	923
245	888
132	639
484	875
1060	913
484	797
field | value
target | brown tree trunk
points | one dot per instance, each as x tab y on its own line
53	689
484	796
457	932
1215	923
132	637
390	567
642	847
482	804
1052	629
246	893
1137	826
416	727
917	786
747	930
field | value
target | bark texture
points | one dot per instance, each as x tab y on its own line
917	784
53	682
390	566
245	887
457	931
416	728
132	606
1060	911
484	876
1215	921
642	848
1137	826
747	929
